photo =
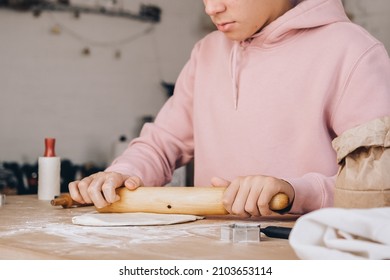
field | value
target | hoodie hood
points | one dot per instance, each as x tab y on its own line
307	14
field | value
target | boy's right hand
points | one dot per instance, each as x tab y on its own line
99	188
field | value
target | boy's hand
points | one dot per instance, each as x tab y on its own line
250	195
99	188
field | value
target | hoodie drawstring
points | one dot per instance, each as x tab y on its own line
233	72
234	65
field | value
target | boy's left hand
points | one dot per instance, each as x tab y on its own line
250	195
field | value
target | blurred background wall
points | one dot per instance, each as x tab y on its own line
87	80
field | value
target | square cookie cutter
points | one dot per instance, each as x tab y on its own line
240	233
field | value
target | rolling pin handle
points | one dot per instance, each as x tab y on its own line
279	202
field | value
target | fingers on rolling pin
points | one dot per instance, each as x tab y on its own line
279	202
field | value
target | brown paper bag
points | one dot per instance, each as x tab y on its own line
363	153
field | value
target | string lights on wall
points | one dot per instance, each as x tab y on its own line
58	27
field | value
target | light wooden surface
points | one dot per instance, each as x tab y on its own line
33	229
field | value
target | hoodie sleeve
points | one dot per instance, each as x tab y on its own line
312	191
365	96
165	144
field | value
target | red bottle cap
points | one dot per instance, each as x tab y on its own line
49	147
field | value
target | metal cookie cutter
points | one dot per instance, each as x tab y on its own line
251	232
240	233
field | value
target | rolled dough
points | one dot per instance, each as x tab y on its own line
131	219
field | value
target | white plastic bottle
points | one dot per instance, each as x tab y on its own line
49	172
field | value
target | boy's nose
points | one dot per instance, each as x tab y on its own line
213	7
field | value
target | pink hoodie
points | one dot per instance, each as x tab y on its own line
268	106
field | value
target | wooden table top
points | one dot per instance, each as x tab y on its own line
33	229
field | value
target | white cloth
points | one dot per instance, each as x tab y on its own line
335	233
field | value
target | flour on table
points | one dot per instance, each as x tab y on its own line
131	219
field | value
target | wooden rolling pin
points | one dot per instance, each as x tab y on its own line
178	200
